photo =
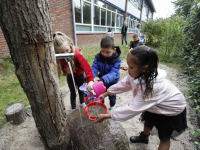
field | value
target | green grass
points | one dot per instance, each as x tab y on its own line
10	93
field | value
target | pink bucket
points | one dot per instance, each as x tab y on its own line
99	88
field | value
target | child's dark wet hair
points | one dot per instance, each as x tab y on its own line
146	56
107	42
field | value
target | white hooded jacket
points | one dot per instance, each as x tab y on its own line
167	99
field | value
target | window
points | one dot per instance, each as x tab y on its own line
83	28
113	19
111	8
108	18
86	13
99	29
120	12
99	3
96	15
122	21
127	20
135	23
77	5
150	15
130	24
136	3
118	20
103	17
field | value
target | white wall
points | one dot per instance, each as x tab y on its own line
144	17
118	3
132	10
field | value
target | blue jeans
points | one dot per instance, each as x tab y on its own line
124	36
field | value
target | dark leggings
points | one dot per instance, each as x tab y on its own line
124	36
78	82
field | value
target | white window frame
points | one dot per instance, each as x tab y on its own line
106	26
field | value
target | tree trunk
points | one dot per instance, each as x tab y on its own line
26	25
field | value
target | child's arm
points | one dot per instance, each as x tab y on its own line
86	67
131	45
113	75
95	67
102	96
132	109
120	87
101	117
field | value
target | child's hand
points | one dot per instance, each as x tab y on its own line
102	96
90	89
101	117
89	86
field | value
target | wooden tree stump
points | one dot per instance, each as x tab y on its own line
15	113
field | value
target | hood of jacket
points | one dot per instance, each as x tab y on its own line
114	56
160	77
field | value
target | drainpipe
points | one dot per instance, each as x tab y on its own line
74	23
148	14
125	13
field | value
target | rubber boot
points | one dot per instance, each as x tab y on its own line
140	139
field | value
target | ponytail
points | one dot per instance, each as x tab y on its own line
146	56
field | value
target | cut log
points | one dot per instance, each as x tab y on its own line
15	113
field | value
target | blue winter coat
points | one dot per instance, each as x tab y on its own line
108	67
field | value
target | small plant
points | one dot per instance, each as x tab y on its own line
197	135
6	65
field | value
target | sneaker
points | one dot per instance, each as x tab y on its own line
112	108
122	46
83	105
126	45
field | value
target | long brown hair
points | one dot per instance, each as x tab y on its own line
146	56
59	39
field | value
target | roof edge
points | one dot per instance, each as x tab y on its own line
151	5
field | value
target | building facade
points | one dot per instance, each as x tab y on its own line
87	21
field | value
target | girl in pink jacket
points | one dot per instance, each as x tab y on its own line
162	104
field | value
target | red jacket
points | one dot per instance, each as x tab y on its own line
81	66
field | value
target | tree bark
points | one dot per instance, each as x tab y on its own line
26	25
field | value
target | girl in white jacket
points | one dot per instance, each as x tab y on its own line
162	104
